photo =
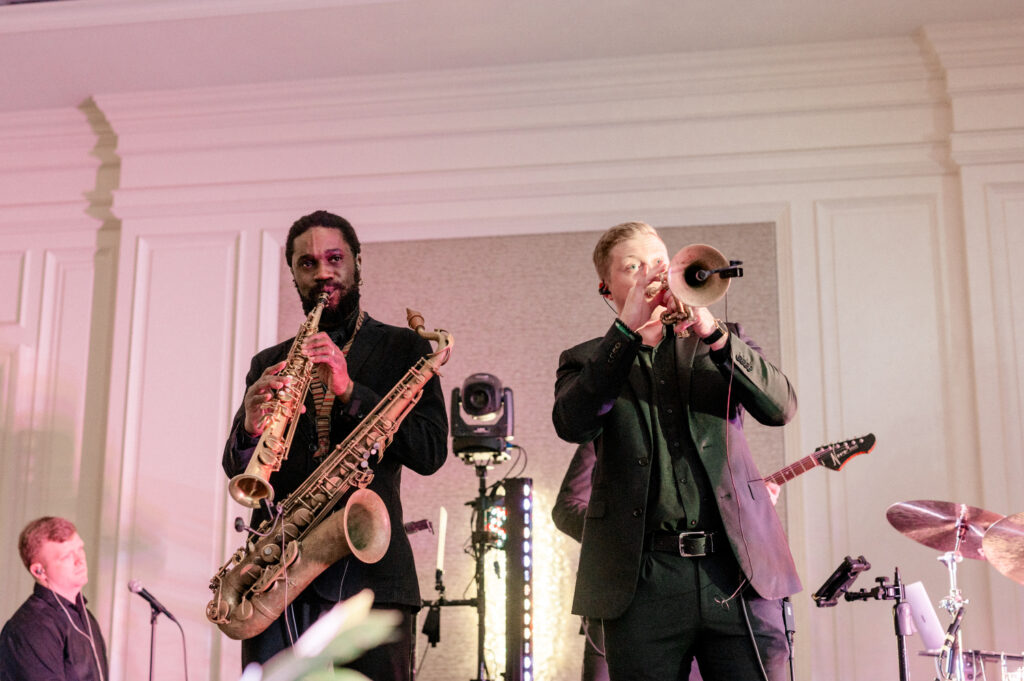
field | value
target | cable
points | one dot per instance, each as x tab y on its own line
586	635
732	480
753	641
419	667
184	650
88	623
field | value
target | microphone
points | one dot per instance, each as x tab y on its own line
136	588
948	645
695	275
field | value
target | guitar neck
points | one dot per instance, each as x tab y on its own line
784	475
833	456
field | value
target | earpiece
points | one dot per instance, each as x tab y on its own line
602	289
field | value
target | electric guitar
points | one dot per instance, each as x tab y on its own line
833	456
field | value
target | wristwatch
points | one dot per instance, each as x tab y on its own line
713	337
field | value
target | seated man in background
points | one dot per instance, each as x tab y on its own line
52	636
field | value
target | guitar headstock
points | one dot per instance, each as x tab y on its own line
834	456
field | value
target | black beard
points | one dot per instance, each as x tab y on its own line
331	317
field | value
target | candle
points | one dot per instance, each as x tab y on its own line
442	524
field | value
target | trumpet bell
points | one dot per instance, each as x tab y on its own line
689	277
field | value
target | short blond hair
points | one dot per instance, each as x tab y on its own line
613	237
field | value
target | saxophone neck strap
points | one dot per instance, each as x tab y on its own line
323	397
352	338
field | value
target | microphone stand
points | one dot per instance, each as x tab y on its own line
153	614
901	615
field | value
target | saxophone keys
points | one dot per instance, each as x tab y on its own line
302	517
217	611
270	553
243	610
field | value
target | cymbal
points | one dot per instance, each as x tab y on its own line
934	524
1004	546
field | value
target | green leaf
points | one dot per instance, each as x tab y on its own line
335	675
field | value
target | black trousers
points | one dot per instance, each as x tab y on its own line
687	608
388	662
595	667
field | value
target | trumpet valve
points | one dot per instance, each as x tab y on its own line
657	286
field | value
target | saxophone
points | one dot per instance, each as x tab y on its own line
253	485
287	552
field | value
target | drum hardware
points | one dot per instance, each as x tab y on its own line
943	525
1004	546
974	661
957	530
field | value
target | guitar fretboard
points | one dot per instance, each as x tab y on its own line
792	470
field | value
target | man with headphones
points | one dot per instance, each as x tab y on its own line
357	360
53	636
683	555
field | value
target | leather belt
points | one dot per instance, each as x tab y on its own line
685	544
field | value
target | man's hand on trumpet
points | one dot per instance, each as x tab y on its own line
699	321
640	309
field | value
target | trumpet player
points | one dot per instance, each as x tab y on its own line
683	555
357	360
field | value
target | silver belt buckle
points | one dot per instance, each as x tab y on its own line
683	536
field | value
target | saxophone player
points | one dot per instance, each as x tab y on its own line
683	555
356	362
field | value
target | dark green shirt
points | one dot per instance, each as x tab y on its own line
680	497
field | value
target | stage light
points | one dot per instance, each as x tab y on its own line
519	618
482	420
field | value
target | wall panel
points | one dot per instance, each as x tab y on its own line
45	349
172	494
887	370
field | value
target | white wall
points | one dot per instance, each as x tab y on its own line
893	171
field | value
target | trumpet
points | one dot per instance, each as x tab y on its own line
690	280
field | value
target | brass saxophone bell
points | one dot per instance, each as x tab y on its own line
249	489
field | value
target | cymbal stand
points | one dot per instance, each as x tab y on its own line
954	604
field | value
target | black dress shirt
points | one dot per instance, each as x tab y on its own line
46	642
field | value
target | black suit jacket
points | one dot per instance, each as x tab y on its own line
377	360
570	509
601	395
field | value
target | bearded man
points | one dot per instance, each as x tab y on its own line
357	361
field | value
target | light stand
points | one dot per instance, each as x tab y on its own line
482	540
482	430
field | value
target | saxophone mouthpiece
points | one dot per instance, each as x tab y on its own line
414	318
